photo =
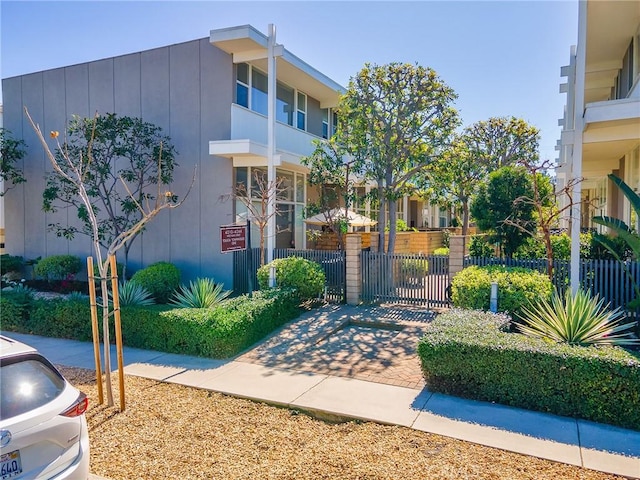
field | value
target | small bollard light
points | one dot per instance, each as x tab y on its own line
272	277
493	302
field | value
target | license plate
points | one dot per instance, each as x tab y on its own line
10	465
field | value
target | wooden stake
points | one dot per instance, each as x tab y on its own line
118	328
94	328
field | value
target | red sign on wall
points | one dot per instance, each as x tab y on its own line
233	238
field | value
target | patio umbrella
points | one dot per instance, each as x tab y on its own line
354	219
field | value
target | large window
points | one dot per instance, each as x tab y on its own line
325	123
290	203
252	92
258	91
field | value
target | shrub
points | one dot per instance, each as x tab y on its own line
534	248
479	246
58	267
413	268
160	279
441	252
517	287
304	276
219	332
132	293
60	318
468	353
579	320
203	293
10	263
15	304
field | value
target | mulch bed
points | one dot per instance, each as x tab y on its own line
172	431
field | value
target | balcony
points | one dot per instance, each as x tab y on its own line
248	143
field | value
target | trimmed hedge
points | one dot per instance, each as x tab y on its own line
58	267
469	353
161	279
517	287
219	332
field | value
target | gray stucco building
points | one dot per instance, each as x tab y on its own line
209	96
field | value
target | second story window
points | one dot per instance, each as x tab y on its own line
259	91
302	111
242	85
284	104
325	123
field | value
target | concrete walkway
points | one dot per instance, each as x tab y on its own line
309	379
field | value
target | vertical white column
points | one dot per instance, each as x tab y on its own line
271	142
578	125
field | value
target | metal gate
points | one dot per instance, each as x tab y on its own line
411	278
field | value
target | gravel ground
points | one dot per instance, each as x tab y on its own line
171	431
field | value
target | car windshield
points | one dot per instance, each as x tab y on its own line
27	384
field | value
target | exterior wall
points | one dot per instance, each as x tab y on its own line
187	90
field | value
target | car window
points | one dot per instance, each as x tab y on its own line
27	384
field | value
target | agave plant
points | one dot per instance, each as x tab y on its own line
202	293
77	297
579	320
132	293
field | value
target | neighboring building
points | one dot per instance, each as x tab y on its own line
209	95
601	124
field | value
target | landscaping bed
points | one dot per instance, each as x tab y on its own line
172	431
471	354
218	332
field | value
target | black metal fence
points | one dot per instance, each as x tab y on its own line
412	278
332	262
612	280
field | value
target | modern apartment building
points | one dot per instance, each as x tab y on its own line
601	123
210	96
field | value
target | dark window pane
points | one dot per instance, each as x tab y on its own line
242	95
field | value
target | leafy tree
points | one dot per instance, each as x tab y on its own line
453	180
110	149
83	179
11	152
396	119
332	171
496	208
502	141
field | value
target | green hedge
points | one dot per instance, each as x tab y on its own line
471	288
304	276
161	279
219	332
469	353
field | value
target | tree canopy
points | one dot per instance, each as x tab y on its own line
498	206
124	161
11	152
395	119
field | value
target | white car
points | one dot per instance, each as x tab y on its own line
43	429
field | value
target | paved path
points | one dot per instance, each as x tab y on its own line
311	379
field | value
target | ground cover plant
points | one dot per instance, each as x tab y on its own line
472	354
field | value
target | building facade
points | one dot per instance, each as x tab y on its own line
601	122
209	95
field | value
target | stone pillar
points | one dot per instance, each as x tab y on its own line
353	271
458	247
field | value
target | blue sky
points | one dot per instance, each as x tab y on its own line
502	58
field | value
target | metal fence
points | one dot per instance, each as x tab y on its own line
416	279
612	280
332	262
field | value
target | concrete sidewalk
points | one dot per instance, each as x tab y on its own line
576	442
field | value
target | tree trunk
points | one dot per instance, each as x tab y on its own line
105	334
547	245
393	214
382	218
465	216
